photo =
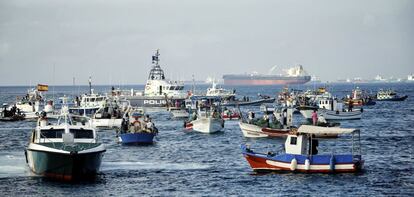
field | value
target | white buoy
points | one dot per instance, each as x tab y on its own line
307	164
293	164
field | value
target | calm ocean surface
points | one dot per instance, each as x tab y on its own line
183	163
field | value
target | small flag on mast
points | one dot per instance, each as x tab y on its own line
42	87
154	58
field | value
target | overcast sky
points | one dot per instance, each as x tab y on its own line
113	41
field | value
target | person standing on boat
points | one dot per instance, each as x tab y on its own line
251	117
124	125
43	119
150	125
77	100
314	117
281	118
146	118
266	119
350	105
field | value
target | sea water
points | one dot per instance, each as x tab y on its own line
182	163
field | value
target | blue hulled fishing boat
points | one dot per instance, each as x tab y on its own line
138	129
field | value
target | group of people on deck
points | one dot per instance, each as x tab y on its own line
14	111
277	120
138	124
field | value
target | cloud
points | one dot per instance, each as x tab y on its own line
4	49
369	20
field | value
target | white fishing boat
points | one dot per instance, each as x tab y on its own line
109	116
389	95
278	126
33	103
178	112
67	150
314	96
255	131
221	92
330	109
206	119
88	104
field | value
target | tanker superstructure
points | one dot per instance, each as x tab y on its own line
295	75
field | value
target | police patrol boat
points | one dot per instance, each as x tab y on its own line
158	90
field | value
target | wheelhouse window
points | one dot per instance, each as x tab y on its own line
82	133
51	133
293	140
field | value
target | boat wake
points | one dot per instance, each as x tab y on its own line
13	165
136	165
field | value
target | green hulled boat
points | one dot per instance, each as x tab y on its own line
66	151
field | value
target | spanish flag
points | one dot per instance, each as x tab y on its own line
41	87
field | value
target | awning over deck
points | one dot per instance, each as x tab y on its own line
309	129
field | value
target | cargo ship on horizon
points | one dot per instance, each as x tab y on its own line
295	75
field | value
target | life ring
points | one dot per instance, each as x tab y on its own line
136	121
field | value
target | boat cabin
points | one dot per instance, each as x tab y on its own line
50	134
386	94
305	141
158	85
330	104
218	91
205	106
67	129
92	100
284	115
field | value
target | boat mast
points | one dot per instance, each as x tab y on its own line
155	58
90	85
193	84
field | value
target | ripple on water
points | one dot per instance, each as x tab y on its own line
190	163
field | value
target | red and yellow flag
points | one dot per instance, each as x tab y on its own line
41	87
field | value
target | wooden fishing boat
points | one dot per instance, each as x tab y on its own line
301	153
